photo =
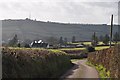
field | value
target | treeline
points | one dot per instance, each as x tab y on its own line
16	42
105	39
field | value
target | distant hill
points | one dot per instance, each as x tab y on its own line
31	29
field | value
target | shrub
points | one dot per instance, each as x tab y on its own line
69	51
78	56
90	49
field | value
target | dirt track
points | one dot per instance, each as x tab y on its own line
81	70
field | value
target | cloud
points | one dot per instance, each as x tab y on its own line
60	10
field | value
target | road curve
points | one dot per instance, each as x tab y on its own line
81	70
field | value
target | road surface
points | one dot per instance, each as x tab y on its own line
81	70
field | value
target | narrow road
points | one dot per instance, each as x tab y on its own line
81	70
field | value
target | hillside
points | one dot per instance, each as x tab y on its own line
32	29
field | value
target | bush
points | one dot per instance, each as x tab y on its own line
69	51
90	49
34	63
78	56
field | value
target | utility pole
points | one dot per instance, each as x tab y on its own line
111	28
94	38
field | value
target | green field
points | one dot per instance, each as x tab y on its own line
89	43
101	47
72	49
96	48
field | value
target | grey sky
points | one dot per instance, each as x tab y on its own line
70	11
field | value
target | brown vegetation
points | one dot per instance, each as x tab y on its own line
34	63
109	58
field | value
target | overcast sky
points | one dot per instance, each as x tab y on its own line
66	11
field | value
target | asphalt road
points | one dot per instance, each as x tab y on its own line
81	70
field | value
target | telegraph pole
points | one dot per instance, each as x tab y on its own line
111	27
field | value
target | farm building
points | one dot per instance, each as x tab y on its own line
39	44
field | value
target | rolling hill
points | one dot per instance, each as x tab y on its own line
32	29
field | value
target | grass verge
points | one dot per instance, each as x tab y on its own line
101	70
75	60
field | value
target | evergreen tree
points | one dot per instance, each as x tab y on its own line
13	42
65	41
19	45
116	37
101	38
52	41
61	40
73	39
94	39
106	39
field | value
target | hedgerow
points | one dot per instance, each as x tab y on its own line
34	63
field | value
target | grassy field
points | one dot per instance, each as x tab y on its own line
86	43
89	43
96	48
72	49
101	47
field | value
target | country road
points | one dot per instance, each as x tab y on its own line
81	70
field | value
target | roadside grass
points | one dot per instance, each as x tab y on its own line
101	70
75	60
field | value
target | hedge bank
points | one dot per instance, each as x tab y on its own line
109	58
33	63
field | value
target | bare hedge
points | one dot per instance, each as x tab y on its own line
109	58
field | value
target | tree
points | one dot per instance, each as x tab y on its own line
27	45
101	38
94	39
53	41
106	39
73	39
116	37
19	45
65	41
13	42
61	40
